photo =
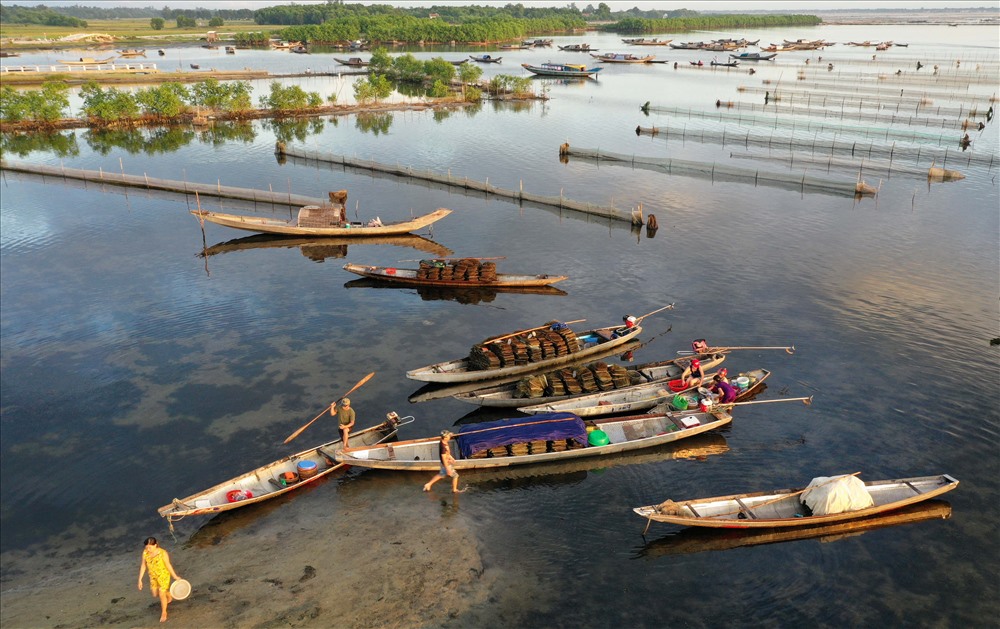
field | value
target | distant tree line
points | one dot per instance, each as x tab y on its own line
14	14
708	22
112	13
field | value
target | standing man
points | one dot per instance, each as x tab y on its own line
447	465
345	417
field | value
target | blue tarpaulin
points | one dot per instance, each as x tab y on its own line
545	427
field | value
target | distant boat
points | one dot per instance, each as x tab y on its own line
577	48
728	64
87	61
754	56
195	66
161	52
485	59
132	52
430	275
230	50
615	57
353	61
300	50
561	69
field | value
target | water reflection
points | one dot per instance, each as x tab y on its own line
161	140
698	447
479	294
376	123
320	249
288	129
696	540
23	144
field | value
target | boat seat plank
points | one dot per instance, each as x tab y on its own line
604	334
911	486
746	510
691	509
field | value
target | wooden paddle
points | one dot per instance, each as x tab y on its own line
541	327
805	400
457	258
353	389
790	349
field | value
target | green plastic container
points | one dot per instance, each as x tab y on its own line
598	438
679	402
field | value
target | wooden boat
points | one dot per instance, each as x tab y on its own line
87	61
353	61
617	57
161	52
459	62
132	52
267	482
323	247
754	56
577	48
300	50
537	43
537	439
412	277
784	508
561	69
638	398
589	343
315	220
697	540
640	41
285	45
195	66
436	391
510	395
697	63
728	64
485	58
515	47
230	50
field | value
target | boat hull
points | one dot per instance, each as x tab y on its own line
787	511
458	371
266	225
409	278
630	399
503	396
421	455
264	482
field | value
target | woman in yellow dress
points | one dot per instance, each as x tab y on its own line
157	562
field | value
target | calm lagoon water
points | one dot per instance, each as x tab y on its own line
136	369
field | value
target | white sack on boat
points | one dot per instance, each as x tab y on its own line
836	494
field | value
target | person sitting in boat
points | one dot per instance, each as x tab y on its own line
699	346
725	393
345	418
694	374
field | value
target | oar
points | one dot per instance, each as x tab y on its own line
353	389
541	327
790	349
456	258
541	421
805	400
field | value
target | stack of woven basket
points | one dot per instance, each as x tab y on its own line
522	349
464	270
589	379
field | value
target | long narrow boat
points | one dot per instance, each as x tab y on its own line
511	395
353	61
613	57
537	439
638	398
577	48
754	56
314	220
784	507
268	481
485	58
86	61
411	277
561	69
697	540
461	294
588	343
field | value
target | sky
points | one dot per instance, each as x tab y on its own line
790	6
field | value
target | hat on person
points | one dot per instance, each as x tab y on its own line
630	319
346	401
